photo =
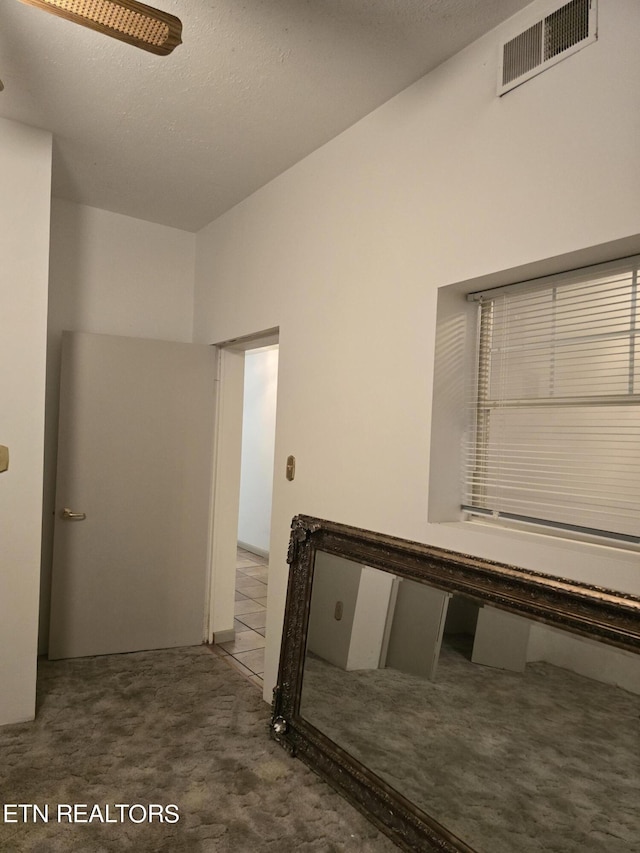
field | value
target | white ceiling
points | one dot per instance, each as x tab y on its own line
255	86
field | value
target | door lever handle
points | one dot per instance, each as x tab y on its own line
68	515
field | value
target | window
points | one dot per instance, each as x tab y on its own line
556	413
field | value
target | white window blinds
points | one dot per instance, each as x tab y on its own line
556	415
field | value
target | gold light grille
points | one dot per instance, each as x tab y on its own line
132	22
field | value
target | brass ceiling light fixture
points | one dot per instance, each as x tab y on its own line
126	20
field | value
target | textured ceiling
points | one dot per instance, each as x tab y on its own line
255	86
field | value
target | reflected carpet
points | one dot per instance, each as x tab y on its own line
510	763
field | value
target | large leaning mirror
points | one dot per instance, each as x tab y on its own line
462	705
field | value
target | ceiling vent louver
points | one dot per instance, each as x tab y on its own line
551	38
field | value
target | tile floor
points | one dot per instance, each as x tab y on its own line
246	652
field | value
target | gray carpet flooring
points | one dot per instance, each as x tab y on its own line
167	727
543	762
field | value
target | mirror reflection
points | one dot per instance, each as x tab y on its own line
512	734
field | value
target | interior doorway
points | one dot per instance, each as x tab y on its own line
258	444
247	394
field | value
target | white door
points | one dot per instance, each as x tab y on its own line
418	626
133	495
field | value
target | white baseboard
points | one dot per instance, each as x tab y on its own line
253	549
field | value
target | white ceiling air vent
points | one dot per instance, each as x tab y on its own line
565	29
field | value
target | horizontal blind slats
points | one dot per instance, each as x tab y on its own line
556	406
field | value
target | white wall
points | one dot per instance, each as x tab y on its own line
258	440
335	579
25	178
346	251
110	274
353	638
370	618
593	660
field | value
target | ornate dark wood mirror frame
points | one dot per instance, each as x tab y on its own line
589	611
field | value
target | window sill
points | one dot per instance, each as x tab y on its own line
552	533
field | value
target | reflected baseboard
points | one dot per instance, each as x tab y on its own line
224	637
